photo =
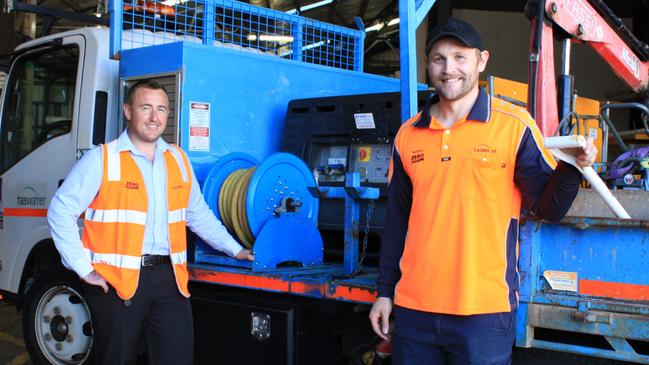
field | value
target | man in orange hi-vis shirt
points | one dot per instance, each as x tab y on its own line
462	171
138	193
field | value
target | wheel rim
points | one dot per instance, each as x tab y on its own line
62	325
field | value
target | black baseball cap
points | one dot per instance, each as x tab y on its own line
455	28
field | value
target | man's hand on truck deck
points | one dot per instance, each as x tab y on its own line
245	254
585	156
95	279
380	317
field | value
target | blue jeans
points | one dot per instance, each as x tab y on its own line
432	339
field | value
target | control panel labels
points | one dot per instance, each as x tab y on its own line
199	126
364	121
336	161
561	280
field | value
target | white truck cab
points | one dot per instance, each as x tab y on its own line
60	99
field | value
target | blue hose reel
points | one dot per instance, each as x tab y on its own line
267	206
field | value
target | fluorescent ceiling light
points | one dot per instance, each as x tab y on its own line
271	38
310	6
314	45
379	26
375	27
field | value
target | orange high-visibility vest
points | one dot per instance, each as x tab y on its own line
114	222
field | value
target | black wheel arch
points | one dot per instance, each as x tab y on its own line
42	258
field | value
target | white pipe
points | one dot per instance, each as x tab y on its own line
589	173
572	141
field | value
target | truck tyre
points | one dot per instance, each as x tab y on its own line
56	320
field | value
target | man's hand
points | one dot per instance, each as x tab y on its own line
585	156
245	254
380	316
95	279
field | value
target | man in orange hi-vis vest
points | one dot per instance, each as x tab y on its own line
461	173
138	194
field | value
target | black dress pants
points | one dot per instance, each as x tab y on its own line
158	313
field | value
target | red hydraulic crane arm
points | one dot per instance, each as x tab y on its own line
582	22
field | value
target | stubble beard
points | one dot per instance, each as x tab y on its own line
454	94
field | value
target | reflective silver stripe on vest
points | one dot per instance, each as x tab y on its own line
178	258
116	216
120	261
114	164
176	216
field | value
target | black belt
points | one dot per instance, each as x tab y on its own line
152	260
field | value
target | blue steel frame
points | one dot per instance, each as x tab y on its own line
411	14
353	193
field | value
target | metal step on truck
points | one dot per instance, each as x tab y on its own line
290	141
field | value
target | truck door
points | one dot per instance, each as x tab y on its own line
37	145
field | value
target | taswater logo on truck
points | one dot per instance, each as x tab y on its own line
28	196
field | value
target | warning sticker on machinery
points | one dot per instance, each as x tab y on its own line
364	154
199	126
364	121
561	280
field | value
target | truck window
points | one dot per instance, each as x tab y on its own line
39	102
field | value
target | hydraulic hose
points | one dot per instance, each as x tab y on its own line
232	205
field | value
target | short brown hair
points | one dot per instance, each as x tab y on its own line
144	83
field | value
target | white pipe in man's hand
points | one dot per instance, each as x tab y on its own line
576	141
572	141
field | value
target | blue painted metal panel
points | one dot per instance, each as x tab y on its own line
408	58
411	14
248	93
138	62
288	240
115	11
608	252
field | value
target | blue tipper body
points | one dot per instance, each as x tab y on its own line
608	259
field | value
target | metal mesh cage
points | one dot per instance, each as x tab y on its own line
232	24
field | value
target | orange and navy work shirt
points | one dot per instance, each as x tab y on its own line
450	243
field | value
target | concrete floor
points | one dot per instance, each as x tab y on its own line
13	352
12	347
